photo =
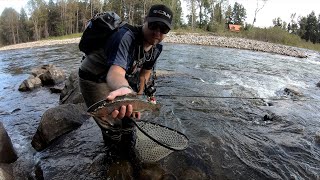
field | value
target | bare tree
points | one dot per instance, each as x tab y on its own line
37	7
258	8
192	16
212	5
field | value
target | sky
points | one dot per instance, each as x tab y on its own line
271	10
16	4
278	8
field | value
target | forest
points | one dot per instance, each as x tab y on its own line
42	19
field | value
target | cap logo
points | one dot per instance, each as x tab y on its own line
162	13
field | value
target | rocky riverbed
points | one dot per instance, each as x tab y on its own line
193	38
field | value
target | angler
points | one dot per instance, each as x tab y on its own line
120	59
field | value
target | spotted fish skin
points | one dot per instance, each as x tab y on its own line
104	108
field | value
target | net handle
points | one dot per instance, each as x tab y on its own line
156	141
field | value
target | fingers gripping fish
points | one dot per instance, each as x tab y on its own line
103	109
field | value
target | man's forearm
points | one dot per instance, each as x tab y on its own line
116	77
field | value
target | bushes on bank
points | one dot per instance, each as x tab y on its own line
279	36
272	34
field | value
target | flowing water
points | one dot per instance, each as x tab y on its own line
231	103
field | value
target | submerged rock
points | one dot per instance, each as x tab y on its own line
293	91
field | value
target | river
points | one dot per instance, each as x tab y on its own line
231	104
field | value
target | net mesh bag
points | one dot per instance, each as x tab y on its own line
155	141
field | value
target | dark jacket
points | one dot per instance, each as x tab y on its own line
123	48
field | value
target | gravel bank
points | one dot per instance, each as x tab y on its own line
39	43
193	38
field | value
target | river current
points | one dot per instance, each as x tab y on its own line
231	103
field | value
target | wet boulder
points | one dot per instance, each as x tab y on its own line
6	172
43	75
52	76
41	69
7	152
31	83
58	121
71	91
57	88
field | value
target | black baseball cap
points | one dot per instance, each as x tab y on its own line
161	13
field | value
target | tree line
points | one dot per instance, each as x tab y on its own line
308	28
43	19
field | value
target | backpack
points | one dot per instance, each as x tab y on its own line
98	29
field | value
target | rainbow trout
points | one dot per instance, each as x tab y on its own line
102	109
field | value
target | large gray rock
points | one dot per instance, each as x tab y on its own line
30	83
71	91
57	88
43	75
56	122
52	76
7	152
6	172
41	69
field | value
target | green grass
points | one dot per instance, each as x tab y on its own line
279	36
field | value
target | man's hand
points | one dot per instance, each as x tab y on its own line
124	110
115	79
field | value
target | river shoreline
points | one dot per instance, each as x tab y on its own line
192	38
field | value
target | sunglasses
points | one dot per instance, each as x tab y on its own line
158	25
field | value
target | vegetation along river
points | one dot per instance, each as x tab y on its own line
248	115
